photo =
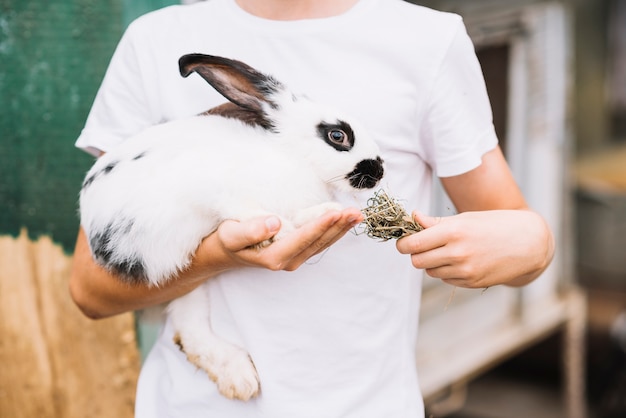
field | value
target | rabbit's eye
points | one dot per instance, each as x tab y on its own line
337	136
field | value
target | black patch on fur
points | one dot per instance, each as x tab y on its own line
249	117
129	268
106	170
109	167
366	174
139	156
89	180
338	135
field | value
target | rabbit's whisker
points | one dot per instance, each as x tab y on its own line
335	179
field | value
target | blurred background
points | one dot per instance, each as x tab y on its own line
556	75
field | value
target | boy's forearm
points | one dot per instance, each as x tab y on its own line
100	294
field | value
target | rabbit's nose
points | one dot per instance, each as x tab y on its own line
367	173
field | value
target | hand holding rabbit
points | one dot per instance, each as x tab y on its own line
292	250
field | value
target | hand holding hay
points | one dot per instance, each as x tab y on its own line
385	218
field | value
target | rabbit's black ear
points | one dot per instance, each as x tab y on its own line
238	82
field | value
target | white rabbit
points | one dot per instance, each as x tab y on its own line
147	204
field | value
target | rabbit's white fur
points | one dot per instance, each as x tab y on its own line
147	204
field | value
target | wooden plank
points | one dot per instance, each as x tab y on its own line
462	361
55	362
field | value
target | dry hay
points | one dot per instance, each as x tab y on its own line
386	218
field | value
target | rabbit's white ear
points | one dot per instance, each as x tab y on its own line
238	82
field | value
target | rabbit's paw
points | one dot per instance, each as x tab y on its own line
286	227
230	367
238	378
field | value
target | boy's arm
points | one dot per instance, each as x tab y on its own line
100	294
495	239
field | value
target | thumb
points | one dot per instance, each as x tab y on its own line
425	220
236	236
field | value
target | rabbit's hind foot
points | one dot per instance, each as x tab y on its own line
230	367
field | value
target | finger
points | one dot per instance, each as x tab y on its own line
425	220
456	282
318	235
467	284
236	236
334	233
332	237
427	240
458	276
432	260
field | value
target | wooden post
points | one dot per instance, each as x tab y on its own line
54	361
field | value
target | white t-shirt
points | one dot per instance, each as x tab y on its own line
337	337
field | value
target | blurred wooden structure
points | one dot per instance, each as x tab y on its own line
525	50
54	361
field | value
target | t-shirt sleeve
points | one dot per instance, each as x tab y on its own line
120	108
459	121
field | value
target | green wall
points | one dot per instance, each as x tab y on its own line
53	55
134	8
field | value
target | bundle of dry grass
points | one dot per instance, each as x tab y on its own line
386	218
